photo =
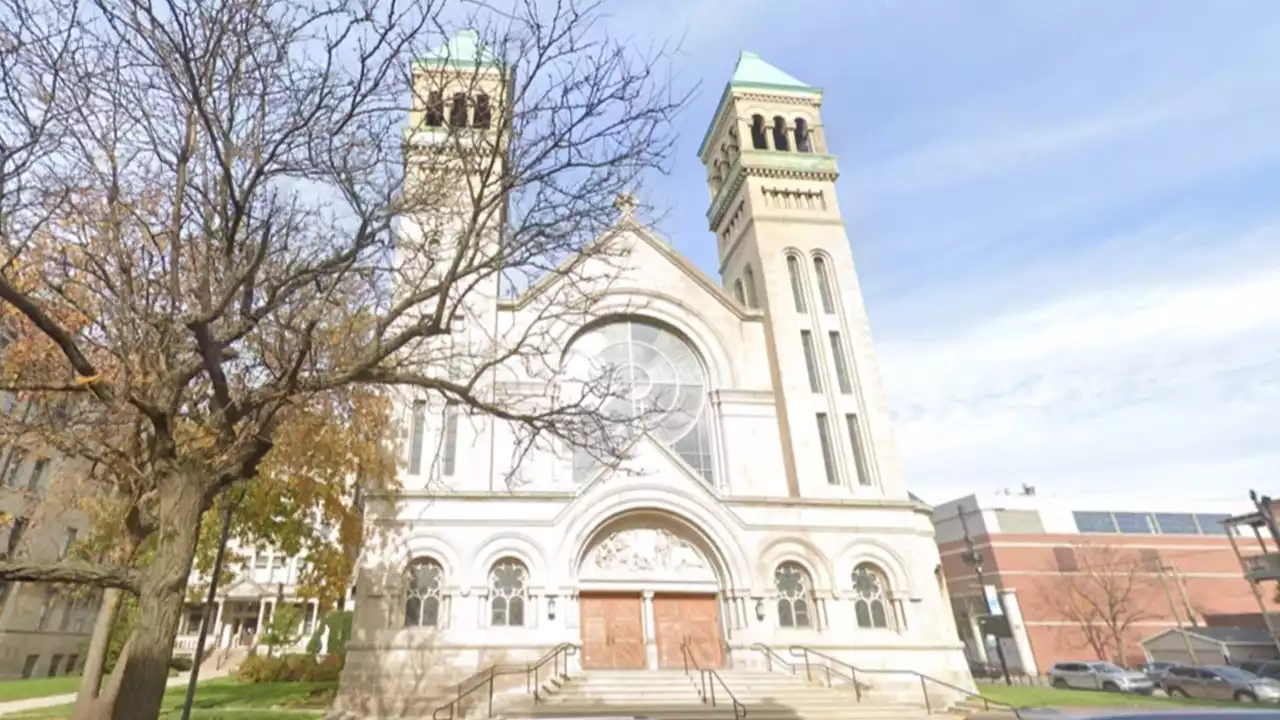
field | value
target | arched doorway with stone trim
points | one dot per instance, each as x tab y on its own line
647	583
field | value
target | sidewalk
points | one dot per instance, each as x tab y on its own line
18	706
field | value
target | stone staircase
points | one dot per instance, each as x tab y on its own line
674	695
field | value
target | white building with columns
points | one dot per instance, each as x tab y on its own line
264	580
766	506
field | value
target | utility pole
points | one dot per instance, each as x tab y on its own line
973	559
1177	619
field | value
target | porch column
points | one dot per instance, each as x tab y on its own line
979	642
262	608
650	636
1019	630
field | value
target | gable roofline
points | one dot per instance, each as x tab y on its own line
1207	638
656	242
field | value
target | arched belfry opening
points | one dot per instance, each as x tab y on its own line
650	581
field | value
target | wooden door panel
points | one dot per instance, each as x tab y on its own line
691	618
612	631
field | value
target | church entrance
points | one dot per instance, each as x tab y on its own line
612	631
691	619
647	585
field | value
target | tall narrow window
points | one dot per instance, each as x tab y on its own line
842	367
483	115
415	438
16	460
780	134
802	136
450	453
749	279
458	110
855	443
810	361
828	456
17	527
757	133
797	289
35	482
824	285
435	109
739	293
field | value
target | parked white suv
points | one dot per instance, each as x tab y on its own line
1099	676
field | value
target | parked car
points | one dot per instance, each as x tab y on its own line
1156	670
1219	682
1099	676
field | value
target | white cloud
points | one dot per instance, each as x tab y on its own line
1166	388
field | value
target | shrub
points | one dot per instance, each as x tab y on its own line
296	667
181	663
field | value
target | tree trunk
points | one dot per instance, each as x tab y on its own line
161	594
96	656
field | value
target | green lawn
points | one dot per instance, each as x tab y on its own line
1035	696
225	698
11	690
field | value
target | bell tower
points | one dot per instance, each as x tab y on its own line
783	250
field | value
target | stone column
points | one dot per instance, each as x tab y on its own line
650	634
1018	628
979	642
262	608
215	629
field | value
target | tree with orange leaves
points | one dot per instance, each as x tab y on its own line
225	221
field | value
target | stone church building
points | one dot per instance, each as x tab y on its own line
765	506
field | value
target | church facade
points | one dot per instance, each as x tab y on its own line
765	506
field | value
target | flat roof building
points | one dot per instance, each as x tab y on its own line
1092	576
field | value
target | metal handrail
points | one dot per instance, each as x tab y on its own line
486	678
707	679
802	651
771	655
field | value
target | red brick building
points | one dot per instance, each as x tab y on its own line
1060	565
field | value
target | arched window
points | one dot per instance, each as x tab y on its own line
793	584
458	110
483	116
651	381
738	292
824	285
757	133
780	134
423	580
802	136
508	593
797	290
749	278
435	109
870	604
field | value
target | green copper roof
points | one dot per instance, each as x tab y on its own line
463	50
751	70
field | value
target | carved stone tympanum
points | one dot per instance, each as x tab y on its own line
647	553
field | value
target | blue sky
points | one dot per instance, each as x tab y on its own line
1066	218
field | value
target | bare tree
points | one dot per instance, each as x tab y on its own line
1103	592
219	215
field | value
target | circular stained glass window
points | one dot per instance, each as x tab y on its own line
650	380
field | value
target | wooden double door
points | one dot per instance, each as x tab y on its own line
613	630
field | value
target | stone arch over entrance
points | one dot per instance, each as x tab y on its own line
650	549
650	590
